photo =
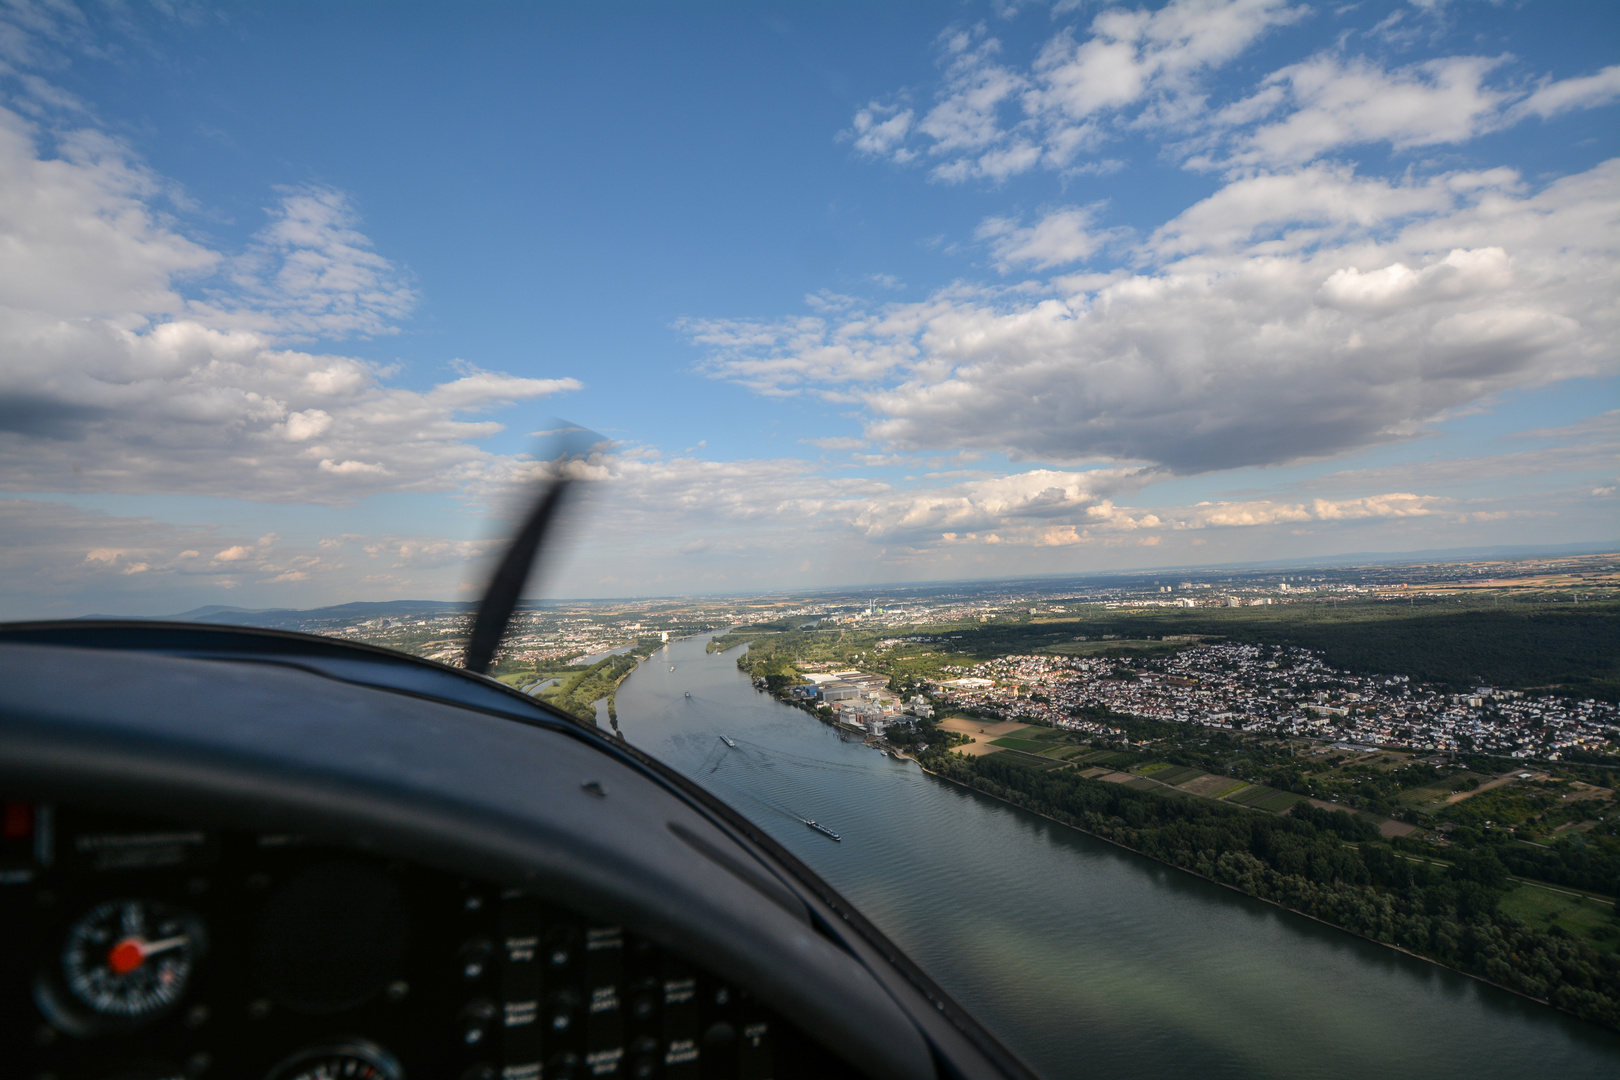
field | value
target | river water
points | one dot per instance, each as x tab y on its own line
1083	958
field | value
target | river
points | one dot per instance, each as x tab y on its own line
1082	957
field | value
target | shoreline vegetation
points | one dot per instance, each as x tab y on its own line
1442	892
1551	968
1229	885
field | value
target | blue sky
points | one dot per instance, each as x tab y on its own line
856	293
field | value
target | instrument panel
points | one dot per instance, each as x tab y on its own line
138	949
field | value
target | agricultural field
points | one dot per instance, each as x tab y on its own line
1261	797
1592	920
1014	743
1175	775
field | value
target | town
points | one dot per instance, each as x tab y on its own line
1281	692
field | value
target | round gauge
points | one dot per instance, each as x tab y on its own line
131	959
356	1059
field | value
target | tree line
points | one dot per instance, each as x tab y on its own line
1330	865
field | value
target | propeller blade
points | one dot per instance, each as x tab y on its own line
501	597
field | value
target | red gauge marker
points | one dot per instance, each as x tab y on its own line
126	956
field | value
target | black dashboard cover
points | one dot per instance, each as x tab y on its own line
376	751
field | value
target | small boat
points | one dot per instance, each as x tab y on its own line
724	738
820	828
689	693
672	667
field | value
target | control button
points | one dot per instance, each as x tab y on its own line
561	1012
474	958
562	942
643	1059
644	1001
477	1022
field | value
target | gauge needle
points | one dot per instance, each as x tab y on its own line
132	952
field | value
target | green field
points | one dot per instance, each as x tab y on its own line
1265	798
1013	756
1112	759
1125	650
1438	792
1178	774
1013	742
1543	909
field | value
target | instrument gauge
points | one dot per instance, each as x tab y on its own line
354	1059
130	960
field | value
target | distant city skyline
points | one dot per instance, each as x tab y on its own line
292	296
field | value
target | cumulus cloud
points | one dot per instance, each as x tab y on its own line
82	237
138	360
1238	344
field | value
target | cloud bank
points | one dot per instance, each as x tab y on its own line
1288	316
139	360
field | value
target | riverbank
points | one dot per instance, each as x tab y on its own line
1229	885
1570	977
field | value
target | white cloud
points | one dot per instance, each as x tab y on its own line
1132	55
1461	274
880	130
1249	349
1063	236
1134	69
116	380
1330	101
1305	207
82	240
992	121
310	273
1553	98
836	443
